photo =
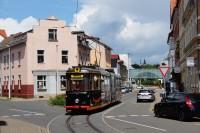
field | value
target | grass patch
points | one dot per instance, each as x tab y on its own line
57	100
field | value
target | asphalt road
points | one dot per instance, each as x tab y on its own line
126	117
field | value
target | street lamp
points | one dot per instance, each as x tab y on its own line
57	69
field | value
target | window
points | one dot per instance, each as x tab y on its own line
13	82
52	34
7	60
40	56
19	59
19	82
63	82
4	60
64	56
41	82
13	56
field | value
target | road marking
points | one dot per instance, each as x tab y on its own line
51	121
133	115
40	114
145	115
16	115
109	116
138	124
5	116
122	116
25	111
106	112
28	114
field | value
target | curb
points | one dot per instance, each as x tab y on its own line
9	125
23	99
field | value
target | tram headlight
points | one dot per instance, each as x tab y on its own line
77	100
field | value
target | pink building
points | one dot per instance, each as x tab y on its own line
36	60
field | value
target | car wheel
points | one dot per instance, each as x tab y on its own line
182	116
138	101
156	112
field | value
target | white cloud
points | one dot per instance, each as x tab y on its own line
135	30
13	26
139	27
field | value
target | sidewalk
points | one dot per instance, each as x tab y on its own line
23	99
8	125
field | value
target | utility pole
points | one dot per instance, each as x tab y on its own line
9	78
56	69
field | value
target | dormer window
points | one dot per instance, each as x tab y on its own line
53	35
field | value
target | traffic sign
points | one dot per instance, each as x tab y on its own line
164	70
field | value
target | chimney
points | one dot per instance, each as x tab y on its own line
3	33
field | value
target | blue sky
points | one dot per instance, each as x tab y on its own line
137	27
20	9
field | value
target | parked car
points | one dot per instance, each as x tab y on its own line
140	87
182	106
124	90
145	95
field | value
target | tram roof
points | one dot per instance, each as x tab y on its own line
91	70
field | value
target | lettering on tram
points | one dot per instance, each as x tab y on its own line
90	88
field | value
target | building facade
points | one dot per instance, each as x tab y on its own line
186	42
35	62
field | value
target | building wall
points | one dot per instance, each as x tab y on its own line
52	68
188	44
18	72
38	40
100	55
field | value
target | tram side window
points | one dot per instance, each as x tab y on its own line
96	82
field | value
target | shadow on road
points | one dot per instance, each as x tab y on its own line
84	112
3	123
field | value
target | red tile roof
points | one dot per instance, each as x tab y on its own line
3	33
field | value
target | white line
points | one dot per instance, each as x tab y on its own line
107	111
5	116
109	116
138	124
145	115
122	116
28	114
51	121
15	115
25	111
40	114
133	115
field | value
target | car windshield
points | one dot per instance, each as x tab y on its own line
144	91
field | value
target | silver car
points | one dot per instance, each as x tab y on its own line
145	95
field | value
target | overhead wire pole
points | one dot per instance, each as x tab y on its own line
9	78
76	19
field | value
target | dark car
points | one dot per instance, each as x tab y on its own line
180	105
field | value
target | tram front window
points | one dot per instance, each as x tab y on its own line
77	85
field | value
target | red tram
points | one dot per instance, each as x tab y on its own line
90	88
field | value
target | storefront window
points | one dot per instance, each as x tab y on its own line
41	82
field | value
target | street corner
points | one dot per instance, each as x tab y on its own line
8	125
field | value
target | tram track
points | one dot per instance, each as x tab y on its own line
70	127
